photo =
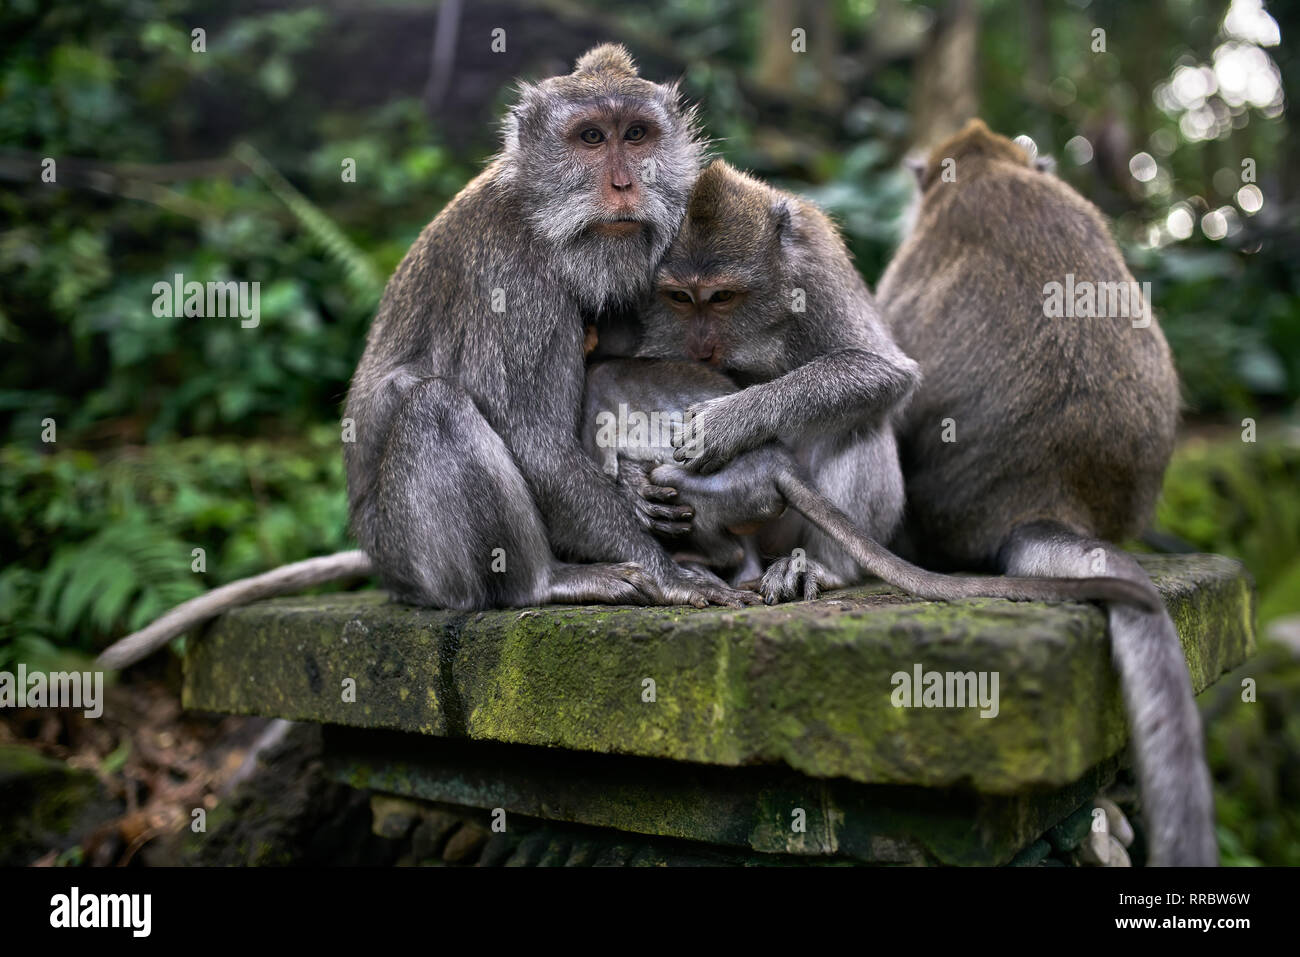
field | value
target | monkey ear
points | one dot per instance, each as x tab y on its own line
783	219
917	166
1045	164
521	116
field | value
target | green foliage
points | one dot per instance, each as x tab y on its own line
97	546
1254	752
103	86
1239	498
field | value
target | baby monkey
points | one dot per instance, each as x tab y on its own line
724	510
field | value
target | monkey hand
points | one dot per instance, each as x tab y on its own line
711	434
654	504
794	579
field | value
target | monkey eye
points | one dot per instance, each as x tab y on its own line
722	295
678	296
634	133
592	136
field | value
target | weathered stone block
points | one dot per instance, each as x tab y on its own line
805	686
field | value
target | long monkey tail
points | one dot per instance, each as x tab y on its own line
883	563
284	580
1177	796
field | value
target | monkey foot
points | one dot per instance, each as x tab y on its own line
790	579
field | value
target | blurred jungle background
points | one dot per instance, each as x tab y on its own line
225	163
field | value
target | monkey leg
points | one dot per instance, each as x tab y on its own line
860	474
749	573
1166	728
456	526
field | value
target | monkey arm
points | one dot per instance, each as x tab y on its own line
837	391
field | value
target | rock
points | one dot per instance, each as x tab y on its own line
1118	855
809	685
1116	823
392	817
285	813
433	833
465	843
747	809
1067	835
45	803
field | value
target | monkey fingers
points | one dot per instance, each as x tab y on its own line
708	438
652	503
635	475
657	493
670	520
788	579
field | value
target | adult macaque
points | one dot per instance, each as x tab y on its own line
466	479
1034	442
759	285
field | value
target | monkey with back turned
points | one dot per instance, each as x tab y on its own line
1063	430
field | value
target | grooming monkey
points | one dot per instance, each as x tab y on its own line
759	285
730	504
466	479
1063	430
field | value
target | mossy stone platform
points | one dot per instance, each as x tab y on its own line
715	725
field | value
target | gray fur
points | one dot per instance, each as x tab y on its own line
731	504
467	418
827	380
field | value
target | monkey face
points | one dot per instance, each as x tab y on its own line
718	290
702	307
602	162
615	143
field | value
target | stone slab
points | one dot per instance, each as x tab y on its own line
771	811
806	685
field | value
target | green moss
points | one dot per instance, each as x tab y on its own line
806	685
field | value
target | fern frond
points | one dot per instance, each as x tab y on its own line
359	273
